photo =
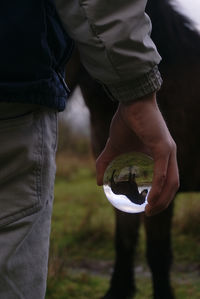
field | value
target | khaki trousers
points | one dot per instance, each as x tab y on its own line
28	137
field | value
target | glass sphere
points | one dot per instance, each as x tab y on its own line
127	181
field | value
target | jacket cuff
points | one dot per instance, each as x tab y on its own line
129	91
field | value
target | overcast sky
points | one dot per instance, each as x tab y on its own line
190	8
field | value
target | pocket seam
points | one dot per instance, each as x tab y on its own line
16	117
20	215
37	173
14	122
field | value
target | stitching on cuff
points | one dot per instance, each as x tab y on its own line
133	90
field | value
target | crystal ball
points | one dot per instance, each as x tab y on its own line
127	181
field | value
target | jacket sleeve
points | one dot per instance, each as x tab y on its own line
113	37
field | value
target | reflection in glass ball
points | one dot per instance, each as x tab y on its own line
127	182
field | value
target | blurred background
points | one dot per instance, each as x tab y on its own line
82	251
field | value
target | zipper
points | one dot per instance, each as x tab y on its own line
63	62
67	53
63	82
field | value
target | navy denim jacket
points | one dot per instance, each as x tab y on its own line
33	51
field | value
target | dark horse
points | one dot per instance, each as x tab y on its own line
178	99
128	188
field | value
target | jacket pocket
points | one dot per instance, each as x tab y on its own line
21	139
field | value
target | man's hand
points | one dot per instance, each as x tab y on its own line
140	127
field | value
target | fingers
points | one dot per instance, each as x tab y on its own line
159	177
161	195
101	165
108	154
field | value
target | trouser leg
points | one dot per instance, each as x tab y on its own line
27	170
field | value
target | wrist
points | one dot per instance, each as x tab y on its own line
139	111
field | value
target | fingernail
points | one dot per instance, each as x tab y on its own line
99	182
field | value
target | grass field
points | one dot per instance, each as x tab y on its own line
82	254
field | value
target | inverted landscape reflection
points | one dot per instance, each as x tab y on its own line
127	182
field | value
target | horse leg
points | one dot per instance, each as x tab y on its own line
126	235
159	253
102	110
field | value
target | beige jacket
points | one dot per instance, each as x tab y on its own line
113	37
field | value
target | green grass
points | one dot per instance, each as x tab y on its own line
82	286
85	286
81	252
82	216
